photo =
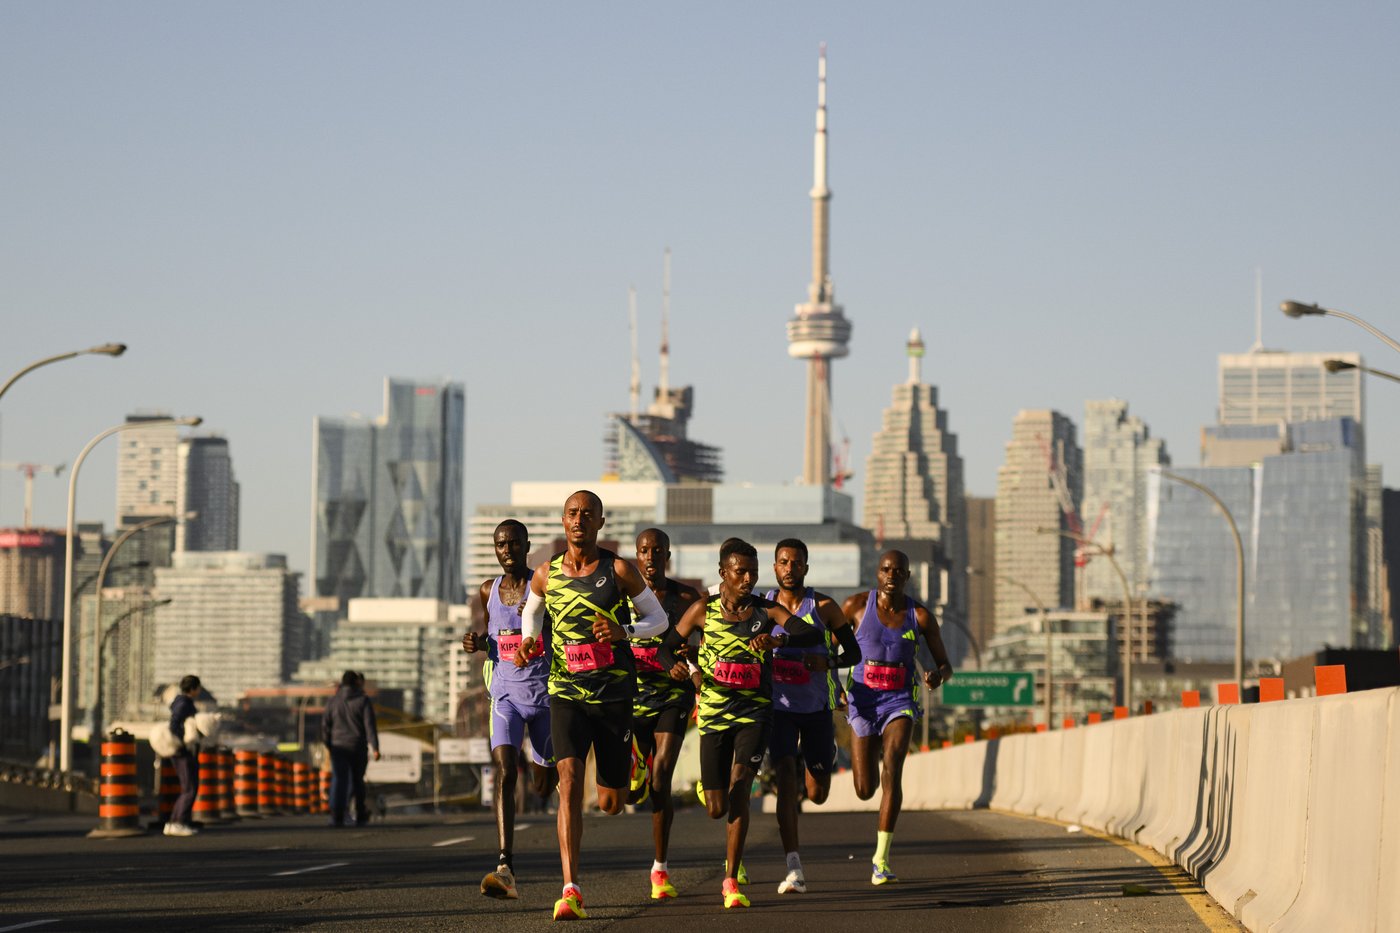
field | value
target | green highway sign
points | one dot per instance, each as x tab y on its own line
982	688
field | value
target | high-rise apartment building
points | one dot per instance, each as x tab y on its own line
1040	481
208	496
31	573
1301	515
148	469
1119	454
914	477
388	497
232	619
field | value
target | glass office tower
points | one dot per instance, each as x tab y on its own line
388	509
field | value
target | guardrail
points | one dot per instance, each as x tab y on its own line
1288	813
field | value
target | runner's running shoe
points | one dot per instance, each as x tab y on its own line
700	792
732	896
500	883
881	873
661	886
794	883
570	906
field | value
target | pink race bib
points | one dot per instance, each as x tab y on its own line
745	675
790	671
884	676
646	659
508	645
588	656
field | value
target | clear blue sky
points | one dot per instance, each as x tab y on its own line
277	205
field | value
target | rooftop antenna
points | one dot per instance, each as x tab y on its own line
663	388
636	386
1258	310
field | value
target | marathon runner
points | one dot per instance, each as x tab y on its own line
736	696
519	695
884	692
661	711
804	694
592	674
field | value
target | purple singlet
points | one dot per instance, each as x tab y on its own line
528	685
795	688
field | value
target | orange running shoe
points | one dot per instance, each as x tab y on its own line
570	906
732	896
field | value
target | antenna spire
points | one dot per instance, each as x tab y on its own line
663	387
636	385
821	291
1258	309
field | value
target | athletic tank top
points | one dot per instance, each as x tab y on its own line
886	654
737	685
581	668
656	689
795	688
529	684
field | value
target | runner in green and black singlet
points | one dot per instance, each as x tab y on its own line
661	711
736	695
592	675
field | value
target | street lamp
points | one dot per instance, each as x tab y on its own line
1127	604
101	639
65	719
106	349
1239	568
1301	309
1341	366
128	534
1049	645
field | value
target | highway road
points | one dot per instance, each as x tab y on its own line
964	871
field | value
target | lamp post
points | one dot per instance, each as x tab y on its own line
101	637
1302	309
1127	603
106	349
1239	568
1049	644
65	718
1341	366
125	536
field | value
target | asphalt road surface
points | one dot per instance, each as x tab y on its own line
973	871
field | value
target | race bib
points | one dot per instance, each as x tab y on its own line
790	671
507	644
745	675
646	659
588	656
884	676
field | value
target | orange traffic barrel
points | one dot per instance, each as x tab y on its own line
227	810
168	788
325	796
245	782
119	798
284	784
207	808
301	787
267	784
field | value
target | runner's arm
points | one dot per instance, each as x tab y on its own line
475	637
651	620
800	632
693	620
840	627
929	626
531	619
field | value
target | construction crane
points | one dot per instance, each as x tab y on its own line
29	469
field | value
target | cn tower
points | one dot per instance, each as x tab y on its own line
818	331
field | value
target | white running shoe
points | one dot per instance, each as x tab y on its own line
500	883
180	829
794	883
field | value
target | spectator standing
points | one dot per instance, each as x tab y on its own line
186	760
349	731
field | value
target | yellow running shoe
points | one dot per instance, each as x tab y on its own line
700	792
742	875
570	906
661	886
732	895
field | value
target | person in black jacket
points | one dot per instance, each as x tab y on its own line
349	731
186	760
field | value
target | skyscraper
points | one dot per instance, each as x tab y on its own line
147	470
1270	386
818	332
388	497
208	496
914	476
1119	452
1040	482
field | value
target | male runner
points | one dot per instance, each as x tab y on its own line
592	675
736	696
519	696
803	697
883	692
661	710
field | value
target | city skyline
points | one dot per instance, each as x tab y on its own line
1068	207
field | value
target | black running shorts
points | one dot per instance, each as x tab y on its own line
604	727
720	751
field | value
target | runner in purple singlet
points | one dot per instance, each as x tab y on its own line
519	696
884	692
